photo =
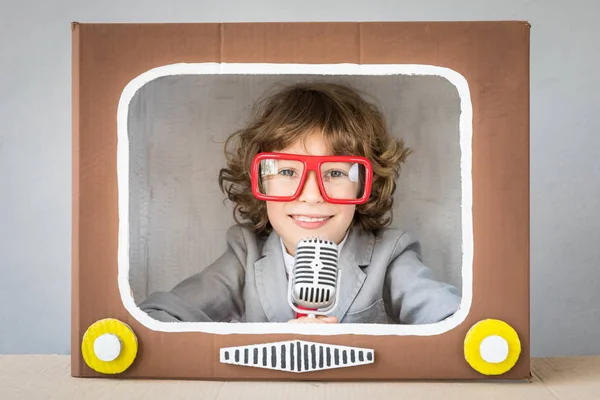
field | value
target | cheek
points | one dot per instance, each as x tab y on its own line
346	213
276	213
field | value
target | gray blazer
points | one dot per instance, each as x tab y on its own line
383	281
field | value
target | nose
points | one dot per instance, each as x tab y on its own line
310	192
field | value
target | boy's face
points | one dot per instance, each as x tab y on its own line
309	214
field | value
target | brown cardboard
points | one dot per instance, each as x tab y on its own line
492	56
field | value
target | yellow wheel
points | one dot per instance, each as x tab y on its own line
492	347
109	346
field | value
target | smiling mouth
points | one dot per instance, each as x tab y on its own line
306	218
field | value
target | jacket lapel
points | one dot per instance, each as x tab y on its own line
356	253
271	281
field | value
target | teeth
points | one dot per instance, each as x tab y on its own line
307	219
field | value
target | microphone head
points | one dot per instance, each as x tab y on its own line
315	273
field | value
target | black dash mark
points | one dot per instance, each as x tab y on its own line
305	357
336	356
299	355
237	355
344	357
313	356
352	358
304	248
369	356
264	356
292	365
226	355
283	356
361	356
328	274
328	357
273	357
255	355
320	356
327	278
327	282
246	351
329	261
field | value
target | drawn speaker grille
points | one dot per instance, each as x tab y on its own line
296	356
315	273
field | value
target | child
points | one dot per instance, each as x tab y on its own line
382	277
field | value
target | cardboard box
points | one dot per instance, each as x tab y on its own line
488	62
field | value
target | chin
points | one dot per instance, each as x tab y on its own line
324	232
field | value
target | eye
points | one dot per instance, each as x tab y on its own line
336	173
287	172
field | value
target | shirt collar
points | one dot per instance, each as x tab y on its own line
289	259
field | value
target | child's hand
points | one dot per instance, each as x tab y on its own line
320	319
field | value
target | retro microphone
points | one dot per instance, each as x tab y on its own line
315	277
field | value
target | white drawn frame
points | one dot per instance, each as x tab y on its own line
466	133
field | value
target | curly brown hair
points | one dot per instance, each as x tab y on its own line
350	126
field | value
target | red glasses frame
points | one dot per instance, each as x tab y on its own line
311	163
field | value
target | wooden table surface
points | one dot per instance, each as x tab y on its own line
48	377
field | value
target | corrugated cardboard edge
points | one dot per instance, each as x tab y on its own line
76	334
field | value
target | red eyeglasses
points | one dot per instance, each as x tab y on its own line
341	179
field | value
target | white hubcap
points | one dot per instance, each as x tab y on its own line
107	347
494	349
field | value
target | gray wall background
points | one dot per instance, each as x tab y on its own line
35	150
178	124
